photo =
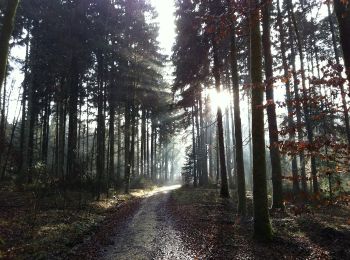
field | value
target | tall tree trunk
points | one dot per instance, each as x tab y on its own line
166	165
46	131
132	145
143	142
24	95
73	119
277	198
262	226
5	35
100	145
119	153
210	152
297	102
62	138
194	151
151	166
291	125
8	153
224	192
148	168
172	158
228	147
127	149
3	121
337	59
309	131
111	139
198	146
203	145
241	189
342	11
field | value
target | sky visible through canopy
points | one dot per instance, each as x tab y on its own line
166	20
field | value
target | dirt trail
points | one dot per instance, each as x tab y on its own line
150	233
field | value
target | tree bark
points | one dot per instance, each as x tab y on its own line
262	226
241	189
291	124
309	130
342	11
337	59
73	119
127	149
224	192
277	195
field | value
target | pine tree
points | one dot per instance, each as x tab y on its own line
262	226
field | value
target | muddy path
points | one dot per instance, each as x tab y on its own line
149	233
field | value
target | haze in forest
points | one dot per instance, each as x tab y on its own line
174	129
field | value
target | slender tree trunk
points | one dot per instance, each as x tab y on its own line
296	188
194	151
3	121
127	149
233	136
224	192
309	131
198	146
148	146
87	134
228	147
211	151
277	198
337	59
151	166
111	139
143	142
262	226
3	172
119	154
172	158
166	165
342	11
62	138
156	155
291	124
204	161
100	145
24	96
73	119
241	189
132	145
5	35
45	132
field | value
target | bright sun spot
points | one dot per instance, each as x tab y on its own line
218	99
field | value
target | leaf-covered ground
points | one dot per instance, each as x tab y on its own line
33	228
192	222
209	224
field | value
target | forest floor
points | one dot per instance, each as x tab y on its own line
211	226
56	226
163	223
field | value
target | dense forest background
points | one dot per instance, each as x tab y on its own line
258	101
103	118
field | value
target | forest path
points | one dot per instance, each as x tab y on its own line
150	233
